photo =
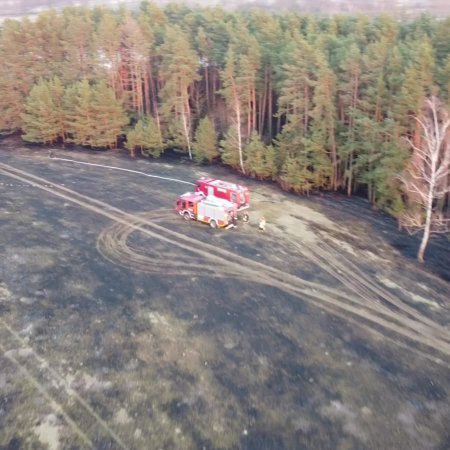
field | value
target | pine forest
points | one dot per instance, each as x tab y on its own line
352	104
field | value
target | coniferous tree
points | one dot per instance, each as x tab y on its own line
108	53
77	44
110	117
260	160
295	175
349	104
145	136
43	119
267	30
316	157
80	117
46	43
16	72
205	146
323	133
134	55
95	118
246	65
231	149
295	99
390	156
180	64
338	94
417	85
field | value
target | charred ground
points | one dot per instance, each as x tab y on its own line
321	333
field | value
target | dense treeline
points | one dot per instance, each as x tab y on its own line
314	103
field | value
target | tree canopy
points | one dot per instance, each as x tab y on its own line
315	103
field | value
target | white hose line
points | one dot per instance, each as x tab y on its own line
120	168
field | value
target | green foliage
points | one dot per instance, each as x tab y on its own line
317	160
388	193
16	73
179	67
94	117
145	136
295	175
79	113
205	146
110	117
336	95
43	119
176	136
230	148
260	160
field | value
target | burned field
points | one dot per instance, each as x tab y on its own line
123	326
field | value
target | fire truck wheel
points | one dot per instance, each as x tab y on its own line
245	218
187	216
213	224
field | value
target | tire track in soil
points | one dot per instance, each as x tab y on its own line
112	244
344	270
257	272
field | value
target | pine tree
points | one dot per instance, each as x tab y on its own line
107	42
180	64
418	83
234	98
389	157
246	66
260	160
267	30
80	117
349	103
135	138
323	133
316	158
295	99
135	51
77	44
231	149
295	175
43	119
145	136
16	72
205	147
446	72
46	43
95	118
110	117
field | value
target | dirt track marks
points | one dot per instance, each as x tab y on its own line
355	309
113	245
324	256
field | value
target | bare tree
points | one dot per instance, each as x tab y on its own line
426	178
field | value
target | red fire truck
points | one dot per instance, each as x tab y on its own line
214	211
234	193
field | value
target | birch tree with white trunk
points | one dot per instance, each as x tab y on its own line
426	179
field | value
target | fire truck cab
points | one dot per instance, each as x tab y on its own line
234	193
214	211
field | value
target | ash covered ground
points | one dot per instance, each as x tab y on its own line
123	326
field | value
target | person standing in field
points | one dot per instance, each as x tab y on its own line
262	224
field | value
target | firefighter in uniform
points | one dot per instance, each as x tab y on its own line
262	224
234	220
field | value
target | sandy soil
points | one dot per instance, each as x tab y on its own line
123	326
